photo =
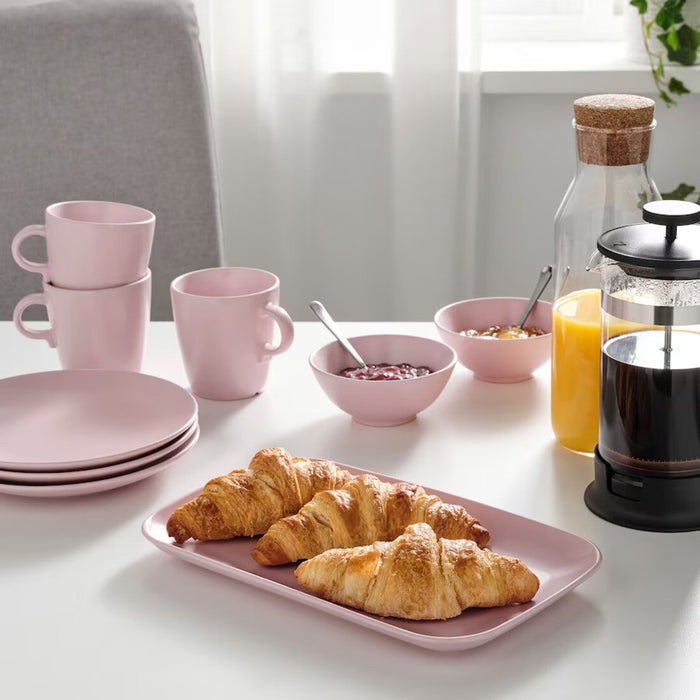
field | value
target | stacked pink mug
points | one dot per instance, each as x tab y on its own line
96	283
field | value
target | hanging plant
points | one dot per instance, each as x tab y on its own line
679	40
681	44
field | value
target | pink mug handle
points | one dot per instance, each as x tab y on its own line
31	266
32	300
286	327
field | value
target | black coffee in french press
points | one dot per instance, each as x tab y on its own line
647	462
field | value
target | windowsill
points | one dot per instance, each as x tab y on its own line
541	68
570	67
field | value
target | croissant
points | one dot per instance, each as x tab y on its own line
248	501
363	511
418	577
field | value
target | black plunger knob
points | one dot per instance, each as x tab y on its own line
671	213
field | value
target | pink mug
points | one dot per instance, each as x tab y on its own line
93	328
225	319
91	245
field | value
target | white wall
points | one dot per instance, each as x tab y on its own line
527	160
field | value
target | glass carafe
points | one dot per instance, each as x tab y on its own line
610	186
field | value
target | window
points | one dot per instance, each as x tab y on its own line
552	20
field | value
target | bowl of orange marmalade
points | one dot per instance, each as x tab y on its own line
484	334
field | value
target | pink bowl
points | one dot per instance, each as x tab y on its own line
494	359
384	403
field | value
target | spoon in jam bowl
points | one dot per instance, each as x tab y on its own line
542	282
325	318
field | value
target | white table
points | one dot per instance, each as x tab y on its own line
90	609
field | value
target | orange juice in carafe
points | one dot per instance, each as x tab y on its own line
613	139
576	369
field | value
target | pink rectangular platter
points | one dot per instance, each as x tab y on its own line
560	560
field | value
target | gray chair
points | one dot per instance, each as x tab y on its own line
107	100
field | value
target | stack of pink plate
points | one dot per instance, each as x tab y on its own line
77	432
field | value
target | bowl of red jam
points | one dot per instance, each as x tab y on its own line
404	375
484	334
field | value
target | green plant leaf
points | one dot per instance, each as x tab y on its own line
689	37
664	19
675	10
665	97
677	87
641	5
686	50
672	38
681	192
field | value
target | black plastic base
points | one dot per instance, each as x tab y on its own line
658	504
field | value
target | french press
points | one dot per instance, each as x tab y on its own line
647	461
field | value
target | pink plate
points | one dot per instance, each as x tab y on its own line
561	560
67	420
93	473
96	486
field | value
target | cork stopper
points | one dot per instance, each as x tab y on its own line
613	129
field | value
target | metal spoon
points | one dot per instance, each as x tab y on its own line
542	282
325	318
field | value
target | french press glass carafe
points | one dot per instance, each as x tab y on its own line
647	462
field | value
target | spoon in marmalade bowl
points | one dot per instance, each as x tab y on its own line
542	282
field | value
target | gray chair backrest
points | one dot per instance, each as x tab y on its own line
107	100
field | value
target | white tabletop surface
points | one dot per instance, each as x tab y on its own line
90	609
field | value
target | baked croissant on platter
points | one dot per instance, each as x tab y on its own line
418	577
247	501
361	512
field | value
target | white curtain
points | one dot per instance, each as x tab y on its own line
347	133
